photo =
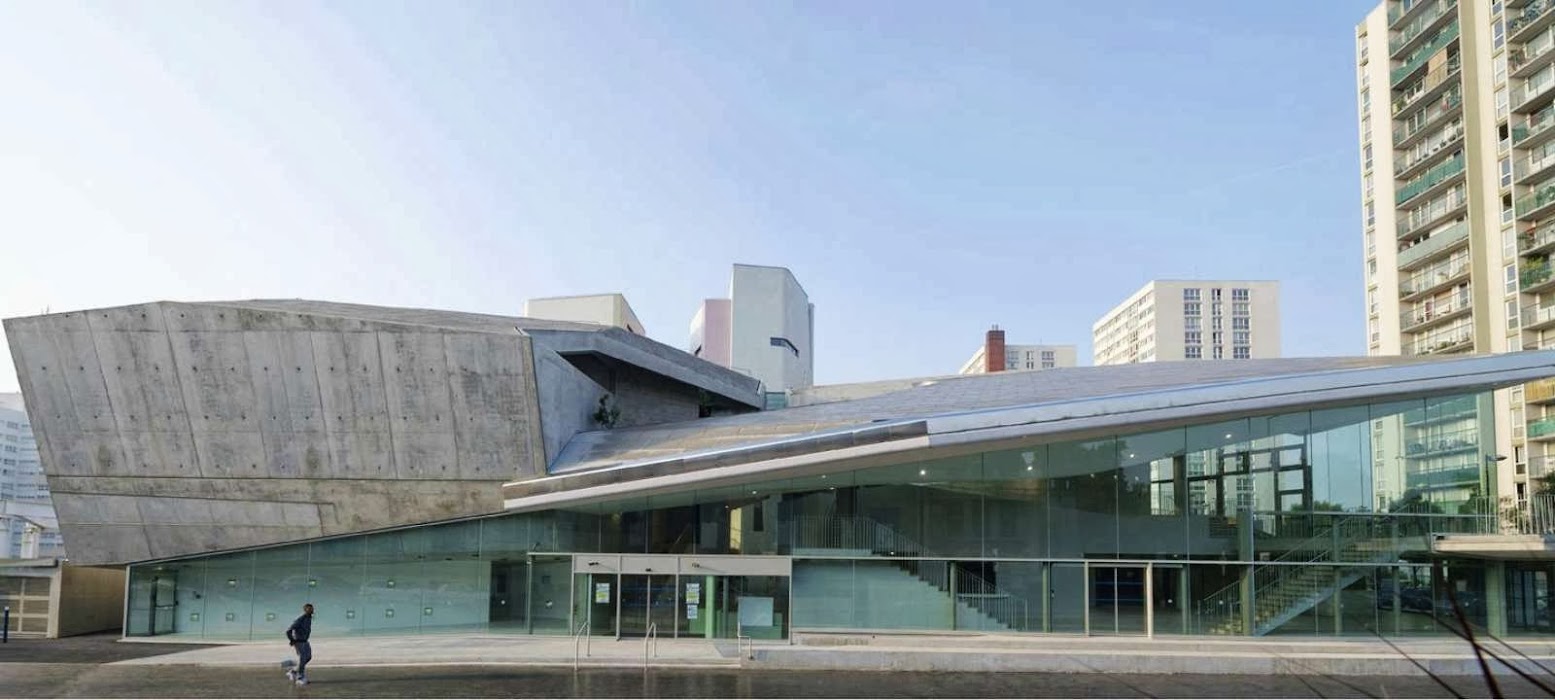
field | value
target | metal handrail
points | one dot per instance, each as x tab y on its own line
652	637
588	643
740	639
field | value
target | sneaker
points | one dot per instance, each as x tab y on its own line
302	681
291	675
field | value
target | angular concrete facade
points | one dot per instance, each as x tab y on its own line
177	428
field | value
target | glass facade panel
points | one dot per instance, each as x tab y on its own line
1202	529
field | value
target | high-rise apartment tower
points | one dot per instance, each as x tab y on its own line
1458	200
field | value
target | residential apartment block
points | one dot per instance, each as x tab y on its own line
764	329
1457	190
995	356
603	309
28	528
1170	320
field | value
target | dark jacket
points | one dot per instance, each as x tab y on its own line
300	629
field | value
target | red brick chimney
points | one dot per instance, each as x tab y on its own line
993	350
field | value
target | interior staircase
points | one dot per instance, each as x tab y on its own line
943	594
1307	574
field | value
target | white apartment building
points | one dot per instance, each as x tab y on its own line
766	329
1169	320
1455	101
995	356
27	522
604	309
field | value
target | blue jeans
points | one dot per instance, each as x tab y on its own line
304	655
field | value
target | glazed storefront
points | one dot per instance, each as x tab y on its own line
1313	522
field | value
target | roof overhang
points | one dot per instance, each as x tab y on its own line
961	433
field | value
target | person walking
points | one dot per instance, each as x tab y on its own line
297	636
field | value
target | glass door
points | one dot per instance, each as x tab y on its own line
164	603
1118	605
646	601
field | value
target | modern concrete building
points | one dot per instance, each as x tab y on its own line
603	309
1170	320
765	329
996	356
1455	102
417	471
28	529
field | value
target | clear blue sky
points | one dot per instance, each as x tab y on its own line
924	169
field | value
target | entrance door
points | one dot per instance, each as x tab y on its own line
647	600
164	603
1118	604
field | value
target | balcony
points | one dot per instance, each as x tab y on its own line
1423	55
1404	8
1442	444
1438	174
1540	392
1538	124
1525	60
1416	125
1412	161
1433	278
1456	475
1443	342
1442	411
1419	26
1534	16
1422	317
1537	203
1536	318
1537	240
1536	278
1532	94
1440	242
1432	212
1428	87
1541	429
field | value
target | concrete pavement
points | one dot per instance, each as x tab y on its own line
936	653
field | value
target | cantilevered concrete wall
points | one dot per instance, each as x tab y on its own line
170	429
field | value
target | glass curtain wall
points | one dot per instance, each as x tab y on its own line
1048	537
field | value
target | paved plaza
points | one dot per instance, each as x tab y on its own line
523	667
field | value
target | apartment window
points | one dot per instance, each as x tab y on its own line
1219	352
1366	129
1368	183
1498	33
1506	209
1506	172
1047	356
1214	323
1362	51
1511	279
1192	352
1217	309
1214	294
1240	337
1365	99
1216	339
1502	106
1371	214
1190	295
1192	308
1240	308
1376	335
1193	337
1511	314
1366	158
1371	302
1500	76
1048	364
784	343
1508	243
1241	323
1191	323
1241	352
